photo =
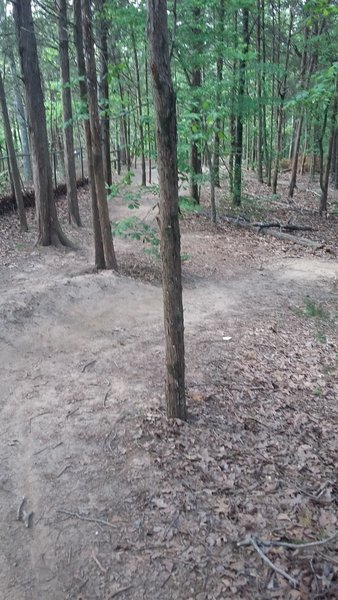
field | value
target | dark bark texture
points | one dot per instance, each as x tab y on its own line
166	137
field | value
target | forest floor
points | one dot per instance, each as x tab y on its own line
127	505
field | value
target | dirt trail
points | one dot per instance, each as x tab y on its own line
81	364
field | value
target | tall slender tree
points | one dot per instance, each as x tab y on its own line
68	140
12	158
49	229
101	193
166	137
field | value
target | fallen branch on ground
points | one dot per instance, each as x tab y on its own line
255	543
267	228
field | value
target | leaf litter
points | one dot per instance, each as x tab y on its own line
240	501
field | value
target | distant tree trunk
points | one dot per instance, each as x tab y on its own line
195	84
219	70
259	96
140	111
324	179
101	194
166	135
306	70
68	140
49	230
237	183
15	174
282	89
22	121
336	160
98	244
104	93
148	117
232	117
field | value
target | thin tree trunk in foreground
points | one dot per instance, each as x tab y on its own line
166	137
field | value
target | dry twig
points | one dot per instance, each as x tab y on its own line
76	515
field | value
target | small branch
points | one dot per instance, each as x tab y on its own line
274	567
125	589
87	365
76	515
101	567
62	471
295	546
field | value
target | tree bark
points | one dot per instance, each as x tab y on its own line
101	194
22	121
15	174
68	140
140	111
282	93
324	179
166	136
219	71
237	179
98	244
195	84
104	93
49	229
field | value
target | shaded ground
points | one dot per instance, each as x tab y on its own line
125	504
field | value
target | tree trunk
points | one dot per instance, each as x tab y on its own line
195	84
104	93
22	121
15	174
148	117
49	230
98	244
68	140
166	135
219	70
101	194
140	111
282	93
237	183
336	160
259	96
324	179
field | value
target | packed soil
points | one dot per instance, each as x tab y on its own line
101	496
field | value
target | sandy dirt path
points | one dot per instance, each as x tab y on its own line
81	363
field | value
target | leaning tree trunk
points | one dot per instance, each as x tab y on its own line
12	158
108	247
49	230
166	136
68	140
98	244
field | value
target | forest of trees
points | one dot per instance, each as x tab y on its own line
246	84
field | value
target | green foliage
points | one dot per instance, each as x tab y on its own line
126	179
136	229
187	205
313	310
134	200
